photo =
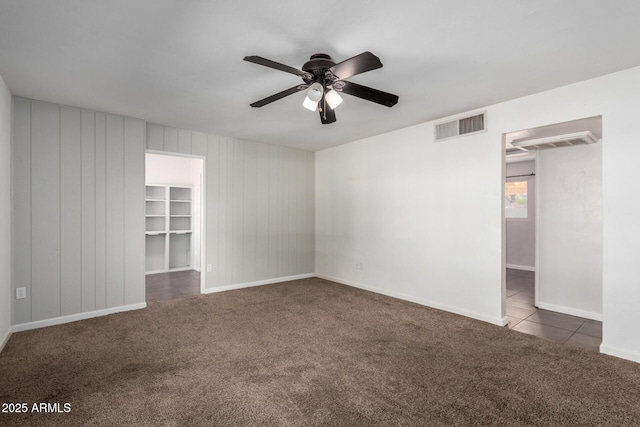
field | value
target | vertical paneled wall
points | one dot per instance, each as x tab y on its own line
78	212
6	298
260	214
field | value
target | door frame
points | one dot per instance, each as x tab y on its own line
524	156
203	206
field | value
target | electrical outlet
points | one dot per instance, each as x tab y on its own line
209	268
21	293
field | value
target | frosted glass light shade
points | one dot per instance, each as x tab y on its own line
309	104
333	99
315	92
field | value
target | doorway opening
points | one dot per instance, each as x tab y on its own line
174	230
552	226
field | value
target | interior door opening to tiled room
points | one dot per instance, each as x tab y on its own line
525	317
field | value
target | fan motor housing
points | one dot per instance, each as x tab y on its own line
317	64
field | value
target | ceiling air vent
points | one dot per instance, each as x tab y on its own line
568	140
463	126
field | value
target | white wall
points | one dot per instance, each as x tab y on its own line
5	213
168	169
78	211
181	171
521	232
617	98
259	206
570	234
424	217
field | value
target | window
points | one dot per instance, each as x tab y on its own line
515	199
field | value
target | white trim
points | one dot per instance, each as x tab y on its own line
503	235
203	223
500	321
5	340
171	270
570	311
536	279
154	272
172	153
75	317
619	352
257	283
521	267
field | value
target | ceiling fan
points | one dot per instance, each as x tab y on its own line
325	79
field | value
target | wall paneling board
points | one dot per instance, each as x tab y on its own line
78	210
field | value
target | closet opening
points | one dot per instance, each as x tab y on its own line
174	212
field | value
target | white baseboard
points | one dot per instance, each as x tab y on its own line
172	270
521	267
570	311
75	317
500	321
619	352
257	283
5	339
606	349
147	273
88	315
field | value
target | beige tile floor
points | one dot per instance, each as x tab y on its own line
562	328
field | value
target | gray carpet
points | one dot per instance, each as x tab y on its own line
304	353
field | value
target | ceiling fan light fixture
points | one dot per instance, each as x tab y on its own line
333	99
324	80
315	92
314	95
309	104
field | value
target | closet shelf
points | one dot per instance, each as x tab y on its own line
168	228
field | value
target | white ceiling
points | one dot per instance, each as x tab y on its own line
179	63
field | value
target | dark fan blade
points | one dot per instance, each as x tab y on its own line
327	114
276	65
279	95
366	61
369	93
